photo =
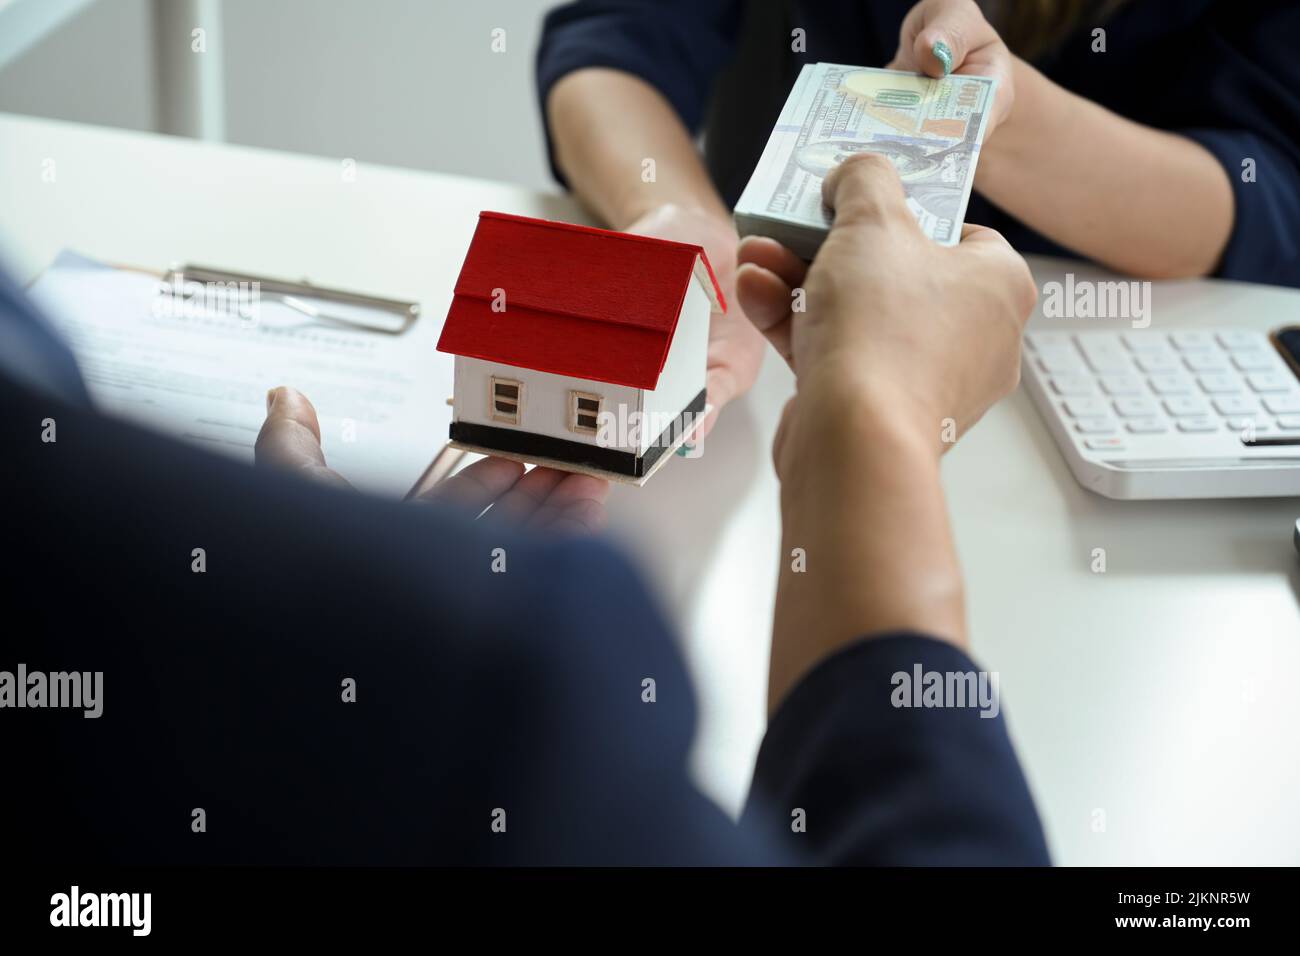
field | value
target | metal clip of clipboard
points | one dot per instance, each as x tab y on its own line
368	312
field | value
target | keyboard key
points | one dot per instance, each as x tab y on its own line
1190	341
1185	406
1145	342
1044	340
1269	382
1235	340
1201	423
1135	407
1220	384
1098	342
1248	426
1102	361
1071	385
1095	426
1282	404
1060	362
1147	426
1236	405
1288	422
1064	348
1158	363
1105	444
1206	362
1085	407
1253	361
1170	384
1121	384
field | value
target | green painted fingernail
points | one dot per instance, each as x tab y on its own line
943	54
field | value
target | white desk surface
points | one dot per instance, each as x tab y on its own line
1161	693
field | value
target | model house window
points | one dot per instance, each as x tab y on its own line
507	399
584	411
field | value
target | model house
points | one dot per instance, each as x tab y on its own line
580	348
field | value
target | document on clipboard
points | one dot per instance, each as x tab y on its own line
192	352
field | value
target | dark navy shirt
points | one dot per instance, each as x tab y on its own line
1222	72
474	691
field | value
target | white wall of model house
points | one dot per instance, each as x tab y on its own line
684	370
546	397
544	405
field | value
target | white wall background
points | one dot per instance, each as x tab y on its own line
401	82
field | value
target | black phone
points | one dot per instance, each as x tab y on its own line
1287	341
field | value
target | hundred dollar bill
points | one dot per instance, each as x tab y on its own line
931	129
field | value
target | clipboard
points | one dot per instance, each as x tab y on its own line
203	378
317	304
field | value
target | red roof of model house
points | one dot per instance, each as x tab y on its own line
585	302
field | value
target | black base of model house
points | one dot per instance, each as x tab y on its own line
530	445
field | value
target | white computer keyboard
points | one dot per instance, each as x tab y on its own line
1206	413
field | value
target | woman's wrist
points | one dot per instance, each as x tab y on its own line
707	210
1040	114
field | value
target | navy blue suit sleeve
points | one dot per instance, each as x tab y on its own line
1254	79
885	784
1265	241
525	691
677	46
31	353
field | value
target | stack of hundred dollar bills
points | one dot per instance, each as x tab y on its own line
930	128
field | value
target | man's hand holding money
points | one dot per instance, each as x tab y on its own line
898	345
887	318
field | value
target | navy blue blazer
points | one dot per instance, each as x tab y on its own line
1221	72
481	698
